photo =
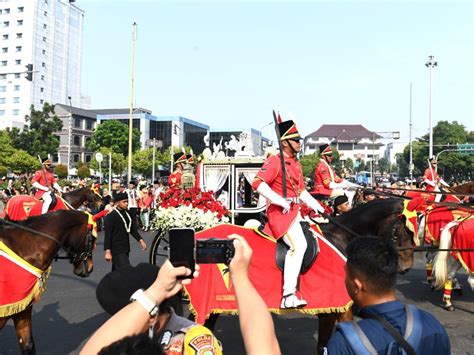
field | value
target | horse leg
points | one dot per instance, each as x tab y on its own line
326	326
24	331
448	286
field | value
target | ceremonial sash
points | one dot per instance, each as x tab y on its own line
20	282
331	172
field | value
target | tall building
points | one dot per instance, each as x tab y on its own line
47	34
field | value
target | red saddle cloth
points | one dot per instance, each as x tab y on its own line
322	286
23	206
437	219
463	238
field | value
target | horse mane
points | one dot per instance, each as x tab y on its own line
43	218
380	207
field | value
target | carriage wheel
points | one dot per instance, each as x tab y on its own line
159	249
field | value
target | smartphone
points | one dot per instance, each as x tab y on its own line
183	248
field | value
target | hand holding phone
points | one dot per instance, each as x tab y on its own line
183	249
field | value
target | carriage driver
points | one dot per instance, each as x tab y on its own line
284	214
326	182
44	182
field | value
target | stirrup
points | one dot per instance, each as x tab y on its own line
292	301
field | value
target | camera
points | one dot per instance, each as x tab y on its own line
214	251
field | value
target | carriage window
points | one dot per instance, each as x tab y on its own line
246	196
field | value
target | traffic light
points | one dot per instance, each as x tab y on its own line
29	74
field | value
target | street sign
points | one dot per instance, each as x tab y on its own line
99	157
465	148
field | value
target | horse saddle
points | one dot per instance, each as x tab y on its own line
312	249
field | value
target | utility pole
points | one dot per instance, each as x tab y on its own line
431	63
69	138
410	166
153	169
130	124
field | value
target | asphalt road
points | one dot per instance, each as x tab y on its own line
68	313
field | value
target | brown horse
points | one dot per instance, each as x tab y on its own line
467	188
36	241
21	206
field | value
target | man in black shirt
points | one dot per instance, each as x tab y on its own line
118	225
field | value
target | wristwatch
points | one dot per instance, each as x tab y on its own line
141	297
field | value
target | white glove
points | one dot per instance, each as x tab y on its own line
335	185
311	202
265	190
431	183
444	183
57	187
352	185
39	186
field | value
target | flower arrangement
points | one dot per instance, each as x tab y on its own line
191	208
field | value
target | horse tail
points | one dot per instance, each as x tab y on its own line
440	263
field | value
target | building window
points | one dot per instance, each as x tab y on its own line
77	123
3	76
46	13
42	77
2	100
77	140
16	100
16	88
19	35
43	65
88	158
5	50
41	101
21	9
4	63
89	124
18	49
17	75
19	23
16	112
41	89
3	88
17	61
75	158
7	11
2	112
5	37
6	23
44	39
45	26
43	51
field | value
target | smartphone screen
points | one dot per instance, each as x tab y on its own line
182	248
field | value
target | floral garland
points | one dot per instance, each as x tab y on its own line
191	208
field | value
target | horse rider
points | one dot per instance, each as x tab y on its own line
326	181
284	215
44	182
174	180
432	180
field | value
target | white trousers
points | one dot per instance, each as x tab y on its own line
46	202
296	240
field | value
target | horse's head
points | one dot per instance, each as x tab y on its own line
403	238
79	245
93	198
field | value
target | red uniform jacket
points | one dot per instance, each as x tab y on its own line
174	180
431	175
323	175
45	178
279	223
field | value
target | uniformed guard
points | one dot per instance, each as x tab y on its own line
431	179
284	213
174	180
326	181
45	183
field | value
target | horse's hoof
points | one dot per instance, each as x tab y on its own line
449	308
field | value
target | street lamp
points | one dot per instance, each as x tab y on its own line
431	63
386	135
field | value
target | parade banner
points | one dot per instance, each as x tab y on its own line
322	286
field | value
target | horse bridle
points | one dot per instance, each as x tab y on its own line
73	256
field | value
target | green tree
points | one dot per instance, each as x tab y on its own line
349	164
21	162
61	171
384	165
142	161
83	171
309	162
114	135
37	136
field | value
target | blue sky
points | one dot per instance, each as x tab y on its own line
228	63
